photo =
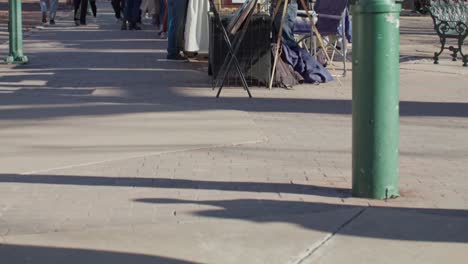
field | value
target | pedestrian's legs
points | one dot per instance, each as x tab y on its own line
43	4
163	8
128	10
125	6
132	12
137	13
157	10
53	9
84	11
181	10
122	6
116	5
76	4
165	17
93	7
172	49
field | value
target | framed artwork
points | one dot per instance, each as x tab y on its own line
240	16
231	3
230	6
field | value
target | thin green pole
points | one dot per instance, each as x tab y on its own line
15	28
376	43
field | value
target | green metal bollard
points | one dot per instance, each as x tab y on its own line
376	40
15	29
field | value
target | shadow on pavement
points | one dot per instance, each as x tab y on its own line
117	105
395	223
128	68
19	254
418	224
261	187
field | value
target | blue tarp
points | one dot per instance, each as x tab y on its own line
306	65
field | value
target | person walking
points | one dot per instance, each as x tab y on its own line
51	7
196	28
118	6
93	5
175	34
81	9
163	33
153	9
132	15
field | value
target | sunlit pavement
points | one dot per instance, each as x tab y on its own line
110	154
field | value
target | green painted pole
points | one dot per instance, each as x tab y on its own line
15	29
376	40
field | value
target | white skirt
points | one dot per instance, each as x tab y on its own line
148	5
197	27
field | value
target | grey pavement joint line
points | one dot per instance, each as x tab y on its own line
144	155
432	71
327	238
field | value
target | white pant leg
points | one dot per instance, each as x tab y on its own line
197	27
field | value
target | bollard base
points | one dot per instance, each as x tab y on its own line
17	60
386	194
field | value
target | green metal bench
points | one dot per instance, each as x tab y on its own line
450	22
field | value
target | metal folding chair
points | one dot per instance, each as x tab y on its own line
237	34
329	14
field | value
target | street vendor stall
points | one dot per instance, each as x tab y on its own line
267	44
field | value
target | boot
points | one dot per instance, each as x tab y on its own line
124	25
44	17
136	27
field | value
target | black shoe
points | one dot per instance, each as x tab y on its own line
44	18
176	57
77	23
124	26
134	26
190	54
52	22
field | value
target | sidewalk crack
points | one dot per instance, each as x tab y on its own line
327	238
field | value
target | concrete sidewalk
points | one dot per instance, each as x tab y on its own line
112	155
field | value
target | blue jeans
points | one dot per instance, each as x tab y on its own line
132	11
348	27
162	3
53	5
177	10
288	25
